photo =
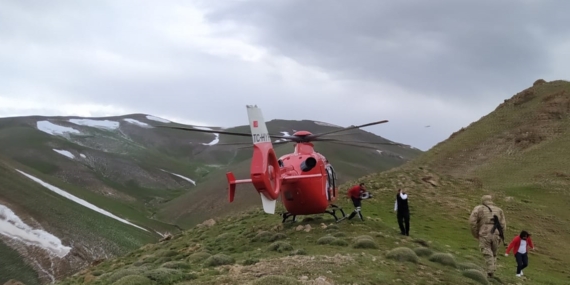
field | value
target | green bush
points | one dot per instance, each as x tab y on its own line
198	257
278	236
364	241
403	254
475	275
299	251
133	280
163	276
262	237
328	239
468	265
443	258
123	273
250	261
168	253
219	259
280	246
339	242
176	265
423	251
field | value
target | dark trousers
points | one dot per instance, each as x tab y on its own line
522	261
357	204
404	222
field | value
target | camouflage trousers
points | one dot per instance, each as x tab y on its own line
489	245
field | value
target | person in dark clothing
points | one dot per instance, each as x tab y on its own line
355	193
403	212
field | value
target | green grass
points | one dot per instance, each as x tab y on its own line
257	242
516	153
13	267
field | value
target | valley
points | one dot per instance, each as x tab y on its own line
76	191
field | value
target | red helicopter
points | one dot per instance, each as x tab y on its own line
304	179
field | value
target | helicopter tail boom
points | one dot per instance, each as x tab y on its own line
296	178
233	183
265	171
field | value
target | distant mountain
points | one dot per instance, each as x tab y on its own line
75	190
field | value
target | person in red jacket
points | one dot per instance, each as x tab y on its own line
519	245
355	193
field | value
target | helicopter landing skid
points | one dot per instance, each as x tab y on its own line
286	215
333	212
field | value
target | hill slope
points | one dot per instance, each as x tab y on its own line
74	191
517	153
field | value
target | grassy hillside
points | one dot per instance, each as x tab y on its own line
255	248
517	153
127	167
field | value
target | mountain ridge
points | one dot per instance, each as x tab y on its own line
525	175
125	166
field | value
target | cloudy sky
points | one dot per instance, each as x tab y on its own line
443	63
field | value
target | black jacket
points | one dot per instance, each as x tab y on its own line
402	204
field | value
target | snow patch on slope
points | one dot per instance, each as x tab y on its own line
82	155
183	177
101	124
53	129
157	119
215	141
13	227
65	153
326	124
379	151
138	123
78	200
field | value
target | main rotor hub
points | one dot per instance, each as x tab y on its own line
302	133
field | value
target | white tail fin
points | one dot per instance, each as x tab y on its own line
259	131
268	205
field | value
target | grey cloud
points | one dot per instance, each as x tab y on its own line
458	50
123	53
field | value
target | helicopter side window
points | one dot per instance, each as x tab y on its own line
331	181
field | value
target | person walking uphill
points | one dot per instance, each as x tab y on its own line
488	224
355	195
520	245
403	212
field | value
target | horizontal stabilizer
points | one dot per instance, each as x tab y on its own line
268	205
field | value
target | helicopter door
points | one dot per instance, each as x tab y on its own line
331	181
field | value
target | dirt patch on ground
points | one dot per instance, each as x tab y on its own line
286	265
556	106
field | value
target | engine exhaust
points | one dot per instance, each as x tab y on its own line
308	164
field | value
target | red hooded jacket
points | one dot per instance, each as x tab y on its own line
354	192
516	242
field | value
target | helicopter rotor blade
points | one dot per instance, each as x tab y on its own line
274	143
249	143
218	132
355	145
346	129
365	142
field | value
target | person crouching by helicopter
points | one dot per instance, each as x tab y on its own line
355	193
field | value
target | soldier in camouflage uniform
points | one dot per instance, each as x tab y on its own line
481	222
